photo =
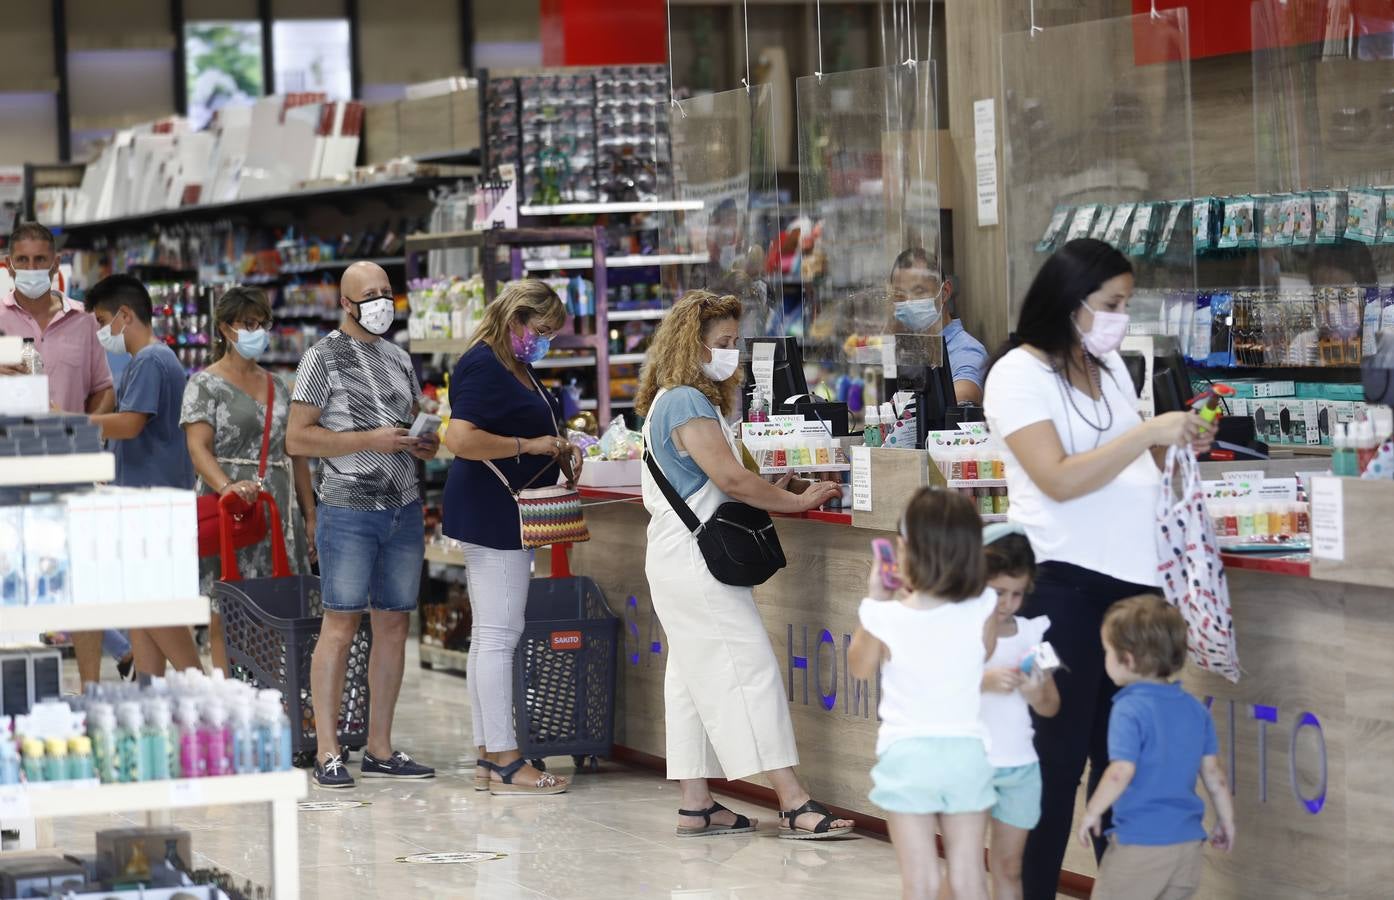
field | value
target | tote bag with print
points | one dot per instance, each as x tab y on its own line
1193	577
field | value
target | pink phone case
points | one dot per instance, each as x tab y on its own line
886	564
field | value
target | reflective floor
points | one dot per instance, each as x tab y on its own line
610	837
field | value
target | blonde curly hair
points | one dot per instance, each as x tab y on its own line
675	355
525	301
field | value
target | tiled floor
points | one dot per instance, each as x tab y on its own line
610	838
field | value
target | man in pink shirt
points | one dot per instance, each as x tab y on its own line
65	334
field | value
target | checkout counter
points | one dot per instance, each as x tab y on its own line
1307	735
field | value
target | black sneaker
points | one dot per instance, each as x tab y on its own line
331	773
398	766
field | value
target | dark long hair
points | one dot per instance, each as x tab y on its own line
1072	273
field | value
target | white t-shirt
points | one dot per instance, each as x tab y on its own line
1111	531
932	684
1008	716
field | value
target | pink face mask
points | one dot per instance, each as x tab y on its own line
1106	334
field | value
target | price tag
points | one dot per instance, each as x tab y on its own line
186	792
861	479
14	802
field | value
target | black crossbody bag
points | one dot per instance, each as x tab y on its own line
738	542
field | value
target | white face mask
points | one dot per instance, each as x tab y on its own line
1106	334
723	365
112	343
33	283
376	315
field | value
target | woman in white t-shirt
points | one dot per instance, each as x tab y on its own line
1083	474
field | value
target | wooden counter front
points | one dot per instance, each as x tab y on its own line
1308	733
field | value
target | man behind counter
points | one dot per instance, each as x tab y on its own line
921	298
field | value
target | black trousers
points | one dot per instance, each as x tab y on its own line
1076	600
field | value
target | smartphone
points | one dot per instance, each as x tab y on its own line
425	425
884	553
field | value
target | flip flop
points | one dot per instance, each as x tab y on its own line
742	825
822	831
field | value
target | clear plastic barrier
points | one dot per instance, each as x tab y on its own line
1098	144
869	222
723	156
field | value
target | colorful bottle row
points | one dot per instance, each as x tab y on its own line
965	467
1260	522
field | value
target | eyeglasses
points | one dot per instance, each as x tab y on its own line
252	324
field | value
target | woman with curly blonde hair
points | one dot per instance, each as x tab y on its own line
725	709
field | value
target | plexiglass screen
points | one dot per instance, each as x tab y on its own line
870	266
1098	144
1324	125
723	157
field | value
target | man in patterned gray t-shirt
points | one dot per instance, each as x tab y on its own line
355	395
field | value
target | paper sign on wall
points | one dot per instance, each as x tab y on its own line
861	479
1328	519
985	157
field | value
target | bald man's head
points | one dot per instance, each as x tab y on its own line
363	280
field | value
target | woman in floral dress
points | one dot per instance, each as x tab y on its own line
224	416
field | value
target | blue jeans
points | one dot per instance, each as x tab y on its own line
370	556
115	644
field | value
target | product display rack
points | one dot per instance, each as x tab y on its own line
27	803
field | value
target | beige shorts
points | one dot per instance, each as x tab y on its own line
1140	872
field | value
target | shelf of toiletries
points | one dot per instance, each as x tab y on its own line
597	209
778	456
617	262
94	616
59	468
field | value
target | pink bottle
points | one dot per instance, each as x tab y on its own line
215	740
192	762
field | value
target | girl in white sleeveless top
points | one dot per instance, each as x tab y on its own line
930	641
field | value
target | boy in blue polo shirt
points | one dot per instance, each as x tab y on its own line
1159	739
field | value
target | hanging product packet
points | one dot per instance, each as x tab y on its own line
1173	218
1101	222
1302	224
1274	212
1083	222
1386	228
1329	216
1117	229
1202	223
1221	332
1363	210
1053	229
1370	320
1141	234
1199	352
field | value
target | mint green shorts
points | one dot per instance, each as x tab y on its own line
933	775
1018	796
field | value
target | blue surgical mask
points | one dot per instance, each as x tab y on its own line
252	344
918	315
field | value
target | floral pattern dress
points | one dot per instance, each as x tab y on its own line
238	421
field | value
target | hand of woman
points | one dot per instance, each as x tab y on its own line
247	490
578	460
1175	429
548	445
1002	681
818	493
311	523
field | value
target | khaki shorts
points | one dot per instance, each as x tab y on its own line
1140	872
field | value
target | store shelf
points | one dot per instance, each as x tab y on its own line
976	483
784	470
446	556
143	221
627	359
443	658
445	240
47	802
331	264
564	362
617	262
621	404
595	209
586	405
96	616
67	468
637	315
439	345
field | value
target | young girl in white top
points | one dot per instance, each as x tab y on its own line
930	641
1010	696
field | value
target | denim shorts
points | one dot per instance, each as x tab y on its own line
925	775
370	555
1018	796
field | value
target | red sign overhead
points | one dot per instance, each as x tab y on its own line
1220	27
603	32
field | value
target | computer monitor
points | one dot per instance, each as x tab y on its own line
1171	382
789	380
